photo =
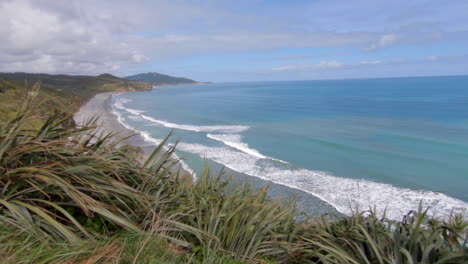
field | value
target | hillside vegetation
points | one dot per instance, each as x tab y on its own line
159	79
63	93
68	195
53	100
77	85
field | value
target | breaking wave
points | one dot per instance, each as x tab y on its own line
226	129
345	194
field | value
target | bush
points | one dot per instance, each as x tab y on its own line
70	194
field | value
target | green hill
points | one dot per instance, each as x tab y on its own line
159	79
80	85
61	91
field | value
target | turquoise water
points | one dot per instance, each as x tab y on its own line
351	143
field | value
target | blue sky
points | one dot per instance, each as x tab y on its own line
237	40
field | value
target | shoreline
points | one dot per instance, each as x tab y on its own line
100	106
343	194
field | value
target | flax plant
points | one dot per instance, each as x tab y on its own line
60	180
75	195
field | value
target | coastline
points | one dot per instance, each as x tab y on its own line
100	106
344	194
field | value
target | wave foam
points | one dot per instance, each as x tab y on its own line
146	137
343	193
234	141
226	129
119	103
121	121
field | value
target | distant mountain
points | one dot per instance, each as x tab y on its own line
159	79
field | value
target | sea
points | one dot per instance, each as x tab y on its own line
338	146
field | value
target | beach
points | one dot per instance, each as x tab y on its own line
100	106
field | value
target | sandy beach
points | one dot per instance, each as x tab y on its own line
100	106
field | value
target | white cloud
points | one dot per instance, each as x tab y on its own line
138	58
91	37
371	62
37	39
384	41
322	65
88	37
333	64
329	64
285	68
172	45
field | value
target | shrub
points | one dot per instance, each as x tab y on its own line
71	195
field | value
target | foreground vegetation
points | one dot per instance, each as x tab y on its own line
69	195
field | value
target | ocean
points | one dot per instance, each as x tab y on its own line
346	144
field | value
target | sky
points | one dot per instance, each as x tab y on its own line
242	40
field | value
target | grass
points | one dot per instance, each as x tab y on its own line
69	195
81	87
366	238
59	93
12	96
122	247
